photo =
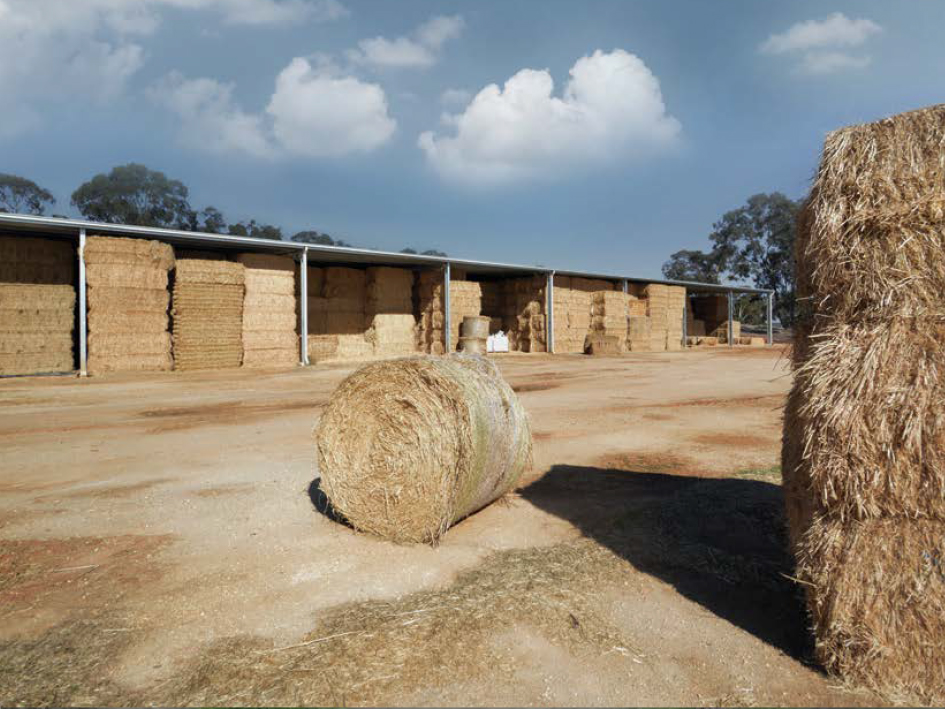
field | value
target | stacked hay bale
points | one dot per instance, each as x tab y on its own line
37	305
474	334
392	331
337	320
665	306
127	303
639	328
525	313
572	316
864	430
609	317
269	311
429	295
410	446
465	300
208	314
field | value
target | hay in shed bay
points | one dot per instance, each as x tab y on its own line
127	302
208	314
864	437
269	311
408	447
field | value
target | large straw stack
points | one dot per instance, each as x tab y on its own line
37	305
269	311
572	316
429	291
864	435
208	314
407	447
127	304
392	331
465	301
345	300
525	313
609	317
666	309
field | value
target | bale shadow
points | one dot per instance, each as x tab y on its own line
721	542
323	505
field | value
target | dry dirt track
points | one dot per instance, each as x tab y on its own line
161	542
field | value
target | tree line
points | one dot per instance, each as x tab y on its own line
754	242
136	195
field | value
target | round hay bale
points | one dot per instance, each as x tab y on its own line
408	447
472	345
475	326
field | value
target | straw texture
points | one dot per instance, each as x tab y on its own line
408	447
208	314
127	302
864	434
269	311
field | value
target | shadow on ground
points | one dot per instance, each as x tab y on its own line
323	505
720	542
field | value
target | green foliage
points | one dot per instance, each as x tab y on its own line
257	231
22	196
428	252
316	237
134	194
754	242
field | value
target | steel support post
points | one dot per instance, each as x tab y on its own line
731	318
83	329
447	320
550	313
770	319
685	321
303	307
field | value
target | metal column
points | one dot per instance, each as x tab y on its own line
771	318
83	330
447	320
550	313
303	307
731	318
685	321
626	288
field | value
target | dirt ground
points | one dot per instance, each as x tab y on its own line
163	541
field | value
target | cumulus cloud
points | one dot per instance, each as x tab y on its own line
52	50
822	46
611	106
419	50
314	111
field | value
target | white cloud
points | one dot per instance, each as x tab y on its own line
58	50
821	45
314	111
419	50
317	112
210	119
611	107
455	97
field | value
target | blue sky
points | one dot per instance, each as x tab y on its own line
309	113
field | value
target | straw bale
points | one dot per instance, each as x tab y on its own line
108	320
36	320
268	262
270	339
35	342
199	271
36	250
271	358
14	296
443	437
128	298
322	347
125	276
36	363
37	273
138	362
269	302
354	347
141	253
274	321
108	343
270	282
345	323
344	282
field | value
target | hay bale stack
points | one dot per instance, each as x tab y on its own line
345	300
572	316
408	447
491	302
429	296
393	335
127	303
269	311
639	327
389	307
465	301
37	305
864	432
525	313
609	319
665	306
208	314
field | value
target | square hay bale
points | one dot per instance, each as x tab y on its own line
863	458
208	314
269	316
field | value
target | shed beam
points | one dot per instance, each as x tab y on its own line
447	320
303	307
550	313
83	329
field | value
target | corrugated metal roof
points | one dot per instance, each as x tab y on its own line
320	253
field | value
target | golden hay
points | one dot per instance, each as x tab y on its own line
36	363
267	262
131	252
125	276
409	446
863	455
199	271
